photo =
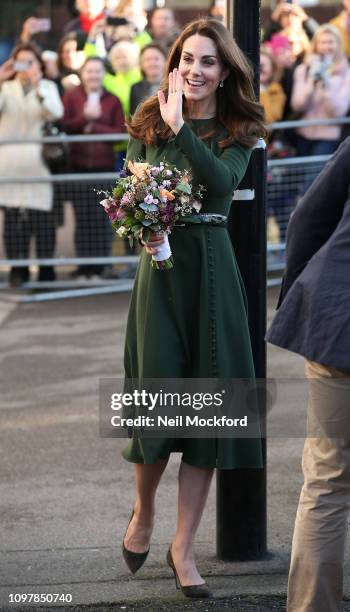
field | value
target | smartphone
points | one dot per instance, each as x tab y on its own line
116	21
93	98
43	24
21	66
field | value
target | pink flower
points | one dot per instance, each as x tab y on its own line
106	203
125	199
120	214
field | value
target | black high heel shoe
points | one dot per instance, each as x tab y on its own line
192	590
133	560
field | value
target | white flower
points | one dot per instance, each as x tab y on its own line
122	231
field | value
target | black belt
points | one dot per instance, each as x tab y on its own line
212	219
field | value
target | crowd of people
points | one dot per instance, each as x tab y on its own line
109	59
305	74
106	63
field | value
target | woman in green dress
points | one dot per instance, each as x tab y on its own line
190	321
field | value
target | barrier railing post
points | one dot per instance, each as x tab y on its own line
241	493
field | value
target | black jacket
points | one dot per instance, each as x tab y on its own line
313	317
139	92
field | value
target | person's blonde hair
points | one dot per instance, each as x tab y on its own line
132	49
237	109
329	29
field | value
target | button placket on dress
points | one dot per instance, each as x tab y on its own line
212	305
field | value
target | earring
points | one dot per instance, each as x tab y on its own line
221	84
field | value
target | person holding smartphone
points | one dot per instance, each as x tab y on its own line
321	90
27	101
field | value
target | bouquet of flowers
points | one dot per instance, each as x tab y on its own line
152	199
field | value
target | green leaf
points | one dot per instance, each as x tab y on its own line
183	188
118	191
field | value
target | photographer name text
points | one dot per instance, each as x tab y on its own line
178	421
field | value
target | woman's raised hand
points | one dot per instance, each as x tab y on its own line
171	109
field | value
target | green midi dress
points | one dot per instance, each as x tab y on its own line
191	321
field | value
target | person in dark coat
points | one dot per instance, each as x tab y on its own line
164	29
313	319
152	63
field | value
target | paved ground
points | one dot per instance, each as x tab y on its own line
66	493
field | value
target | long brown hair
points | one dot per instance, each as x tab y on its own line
236	107
32	48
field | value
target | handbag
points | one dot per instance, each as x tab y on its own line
56	154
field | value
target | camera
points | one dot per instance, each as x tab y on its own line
319	69
116	21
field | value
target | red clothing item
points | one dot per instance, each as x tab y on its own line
86	23
92	155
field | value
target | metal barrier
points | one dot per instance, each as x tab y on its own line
287	181
76	232
91	243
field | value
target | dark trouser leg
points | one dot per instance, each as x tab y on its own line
82	226
17	233
45	234
95	234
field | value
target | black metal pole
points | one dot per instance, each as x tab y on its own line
241	493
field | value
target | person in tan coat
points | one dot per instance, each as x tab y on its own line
272	96
27	101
